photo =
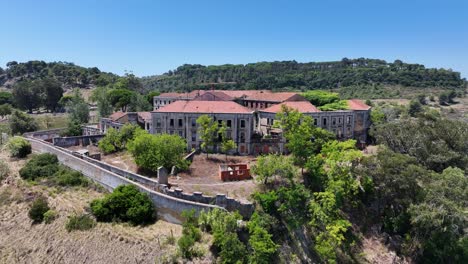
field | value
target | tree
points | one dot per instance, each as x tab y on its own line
27	95
139	103
273	165
78	108
440	220
303	139
5	110
100	96
21	123
227	144
208	130
120	98
153	151
53	92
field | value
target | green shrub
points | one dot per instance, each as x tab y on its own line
319	98
50	216
4	170
126	204
190	234
80	222
38	208
67	177
339	105
42	165
21	123
18	147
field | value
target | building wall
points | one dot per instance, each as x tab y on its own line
344	124
184	125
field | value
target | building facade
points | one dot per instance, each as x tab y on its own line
249	116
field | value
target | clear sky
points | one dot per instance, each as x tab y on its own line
152	37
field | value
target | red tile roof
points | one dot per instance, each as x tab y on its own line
213	96
216	107
301	106
356	104
190	95
262	95
117	115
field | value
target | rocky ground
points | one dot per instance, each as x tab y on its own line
24	242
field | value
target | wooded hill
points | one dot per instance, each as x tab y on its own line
68	74
305	76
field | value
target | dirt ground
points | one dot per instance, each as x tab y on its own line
203	176
24	242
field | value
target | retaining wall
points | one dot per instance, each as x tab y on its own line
168	208
76	141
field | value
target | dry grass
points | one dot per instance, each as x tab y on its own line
23	242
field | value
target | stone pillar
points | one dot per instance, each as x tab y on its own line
163	176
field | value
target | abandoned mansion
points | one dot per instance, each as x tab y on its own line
248	114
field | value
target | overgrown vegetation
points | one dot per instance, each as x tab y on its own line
18	147
116	140
46	167
38	209
67	74
4	170
79	222
358	74
21	123
125	204
152	151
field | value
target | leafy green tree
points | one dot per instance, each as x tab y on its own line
151	95
227	144
190	234
27	95
73	129
303	139
127	204
263	247
437	143
101	98
139	103
152	151
5	110
52	93
120	98
208	130
273	165
21	123
78	108
440	220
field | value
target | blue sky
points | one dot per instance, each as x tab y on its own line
152	37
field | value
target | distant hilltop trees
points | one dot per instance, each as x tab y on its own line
67	74
304	76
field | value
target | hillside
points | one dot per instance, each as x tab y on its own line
361	72
68	74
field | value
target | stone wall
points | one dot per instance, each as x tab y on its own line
65	142
46	135
168	208
169	203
